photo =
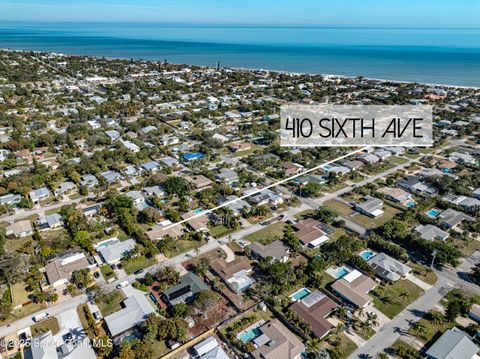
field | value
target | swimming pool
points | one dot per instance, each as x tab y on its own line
342	273
198	210
366	254
249	335
433	212
300	294
106	243
410	203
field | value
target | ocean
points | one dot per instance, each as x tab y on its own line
429	55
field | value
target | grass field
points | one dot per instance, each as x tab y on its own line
19	294
110	302
432	330
390	299
423	273
182	246
107	272
361	219
397	160
268	234
341	343
219	231
44	326
132	265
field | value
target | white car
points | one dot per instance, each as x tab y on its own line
40	317
122	284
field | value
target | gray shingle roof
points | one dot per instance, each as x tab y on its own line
453	344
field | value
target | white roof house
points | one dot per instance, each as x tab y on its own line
210	349
113	251
39	194
136	309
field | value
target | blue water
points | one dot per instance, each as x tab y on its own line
433	212
366	254
300	294
249	335
342	273
450	56
410	203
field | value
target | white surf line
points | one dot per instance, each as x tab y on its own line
207	211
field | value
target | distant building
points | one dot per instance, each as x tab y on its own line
39	194
235	274
387	268
20	229
310	233
453	344
276	250
354	288
112	251
431	232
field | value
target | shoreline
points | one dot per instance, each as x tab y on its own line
248	69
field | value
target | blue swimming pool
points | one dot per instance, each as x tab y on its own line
198	210
433	212
446	170
366	254
342	273
249	335
300	294
410	203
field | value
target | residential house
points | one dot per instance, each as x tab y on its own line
46	346
169	161
227	175
387	268
89	181
199	181
136	309
431	232
111	176
138	199
163	229
209	349
291	168
10	199
19	229
277	342
198	224
459	157
235	204
353	165
310	233
276	251
112	251
396	194
185	291
151	166
113	135
354	288
235	274
453	344
155	191
91	211
130	146
59	270
452	218
467	203
39	194
65	188
415	185
371	207
314	310
50	221
239	146
368	158
382	154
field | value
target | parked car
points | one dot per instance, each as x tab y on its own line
140	271
122	284
40	317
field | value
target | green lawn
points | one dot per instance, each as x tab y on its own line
182	246
304	214
423	273
361	219
389	300
219	231
341	343
432	331
107	272
132	265
467	247
268	234
19	294
397	160
109	303
44	326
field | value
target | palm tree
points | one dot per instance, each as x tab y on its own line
382	355
404	295
437	318
419	329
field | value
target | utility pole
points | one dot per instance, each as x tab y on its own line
434	253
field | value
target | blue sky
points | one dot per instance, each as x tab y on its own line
409	13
